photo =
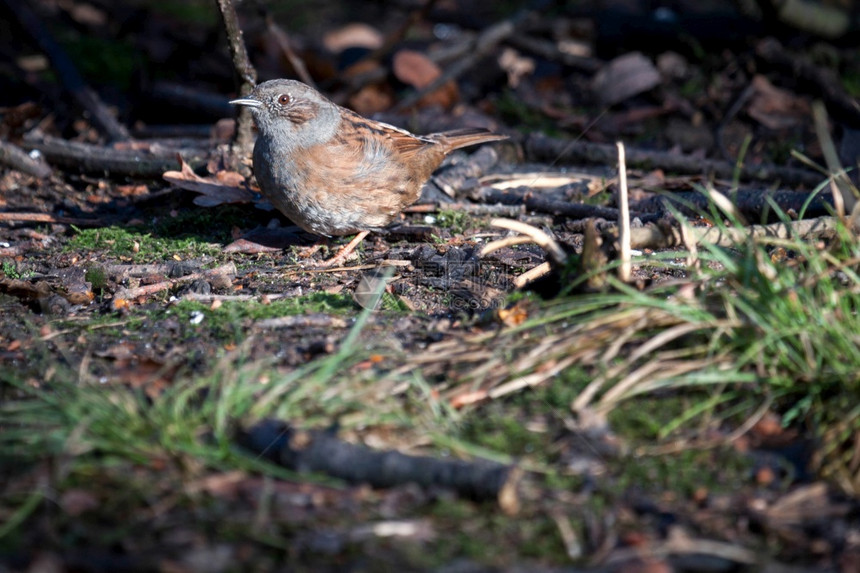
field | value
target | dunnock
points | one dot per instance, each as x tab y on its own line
333	172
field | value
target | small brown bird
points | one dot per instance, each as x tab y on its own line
333	172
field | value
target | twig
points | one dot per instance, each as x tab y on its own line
540	238
532	275
47	218
17	159
503	243
625	270
67	72
244	71
224	271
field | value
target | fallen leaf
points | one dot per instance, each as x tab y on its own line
776	108
624	77
225	187
417	70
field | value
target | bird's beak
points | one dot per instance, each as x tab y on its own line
248	101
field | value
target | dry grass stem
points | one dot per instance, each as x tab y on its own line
532	275
502	243
540	238
625	269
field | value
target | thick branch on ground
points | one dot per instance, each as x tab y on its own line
87	158
244	71
14	157
509	211
67	72
451	181
656	236
323	453
534	202
752	204
541	148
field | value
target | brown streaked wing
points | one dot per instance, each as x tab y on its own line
399	140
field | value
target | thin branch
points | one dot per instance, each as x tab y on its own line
540	238
244	71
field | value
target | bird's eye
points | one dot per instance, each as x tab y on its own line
283	99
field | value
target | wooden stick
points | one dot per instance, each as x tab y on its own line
540	238
17	159
48	218
88	158
244	70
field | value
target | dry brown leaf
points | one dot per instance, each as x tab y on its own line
225	187
624	77
417	70
776	108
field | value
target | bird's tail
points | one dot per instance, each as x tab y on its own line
468	136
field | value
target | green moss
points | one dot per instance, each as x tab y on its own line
135	245
532	535
215	225
11	270
97	277
254	310
454	221
229	321
851	81
716	470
